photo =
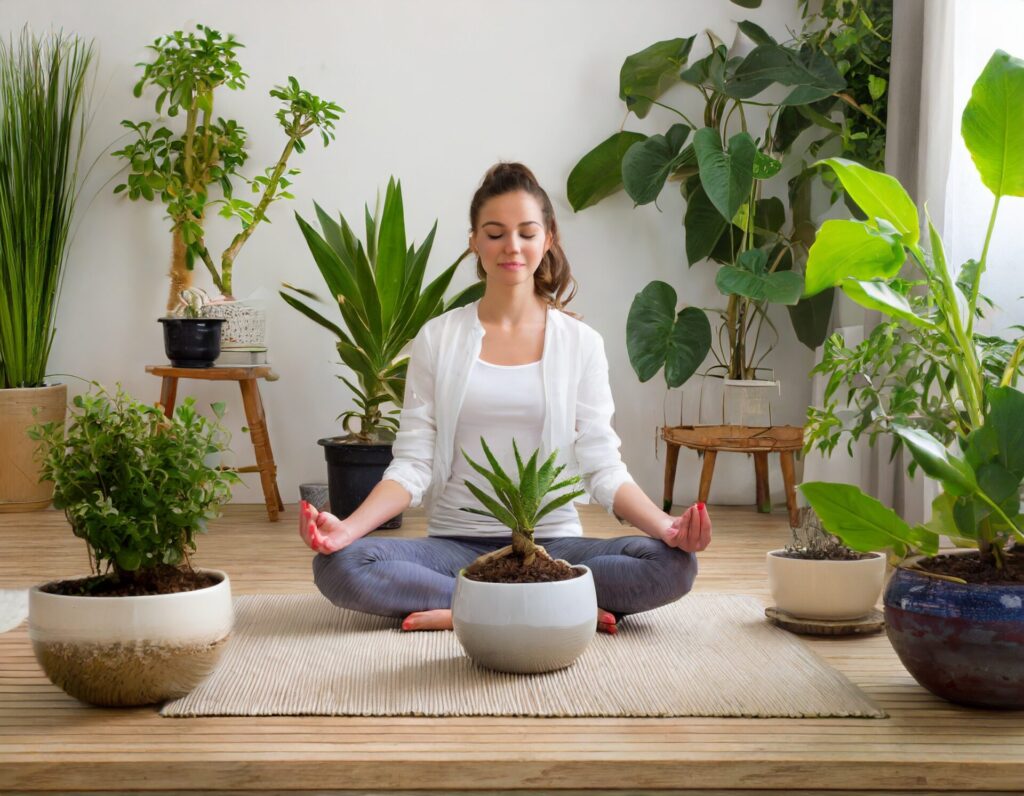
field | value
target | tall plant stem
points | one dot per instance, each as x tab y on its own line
981	269
228	258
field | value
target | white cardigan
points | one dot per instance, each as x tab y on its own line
577	397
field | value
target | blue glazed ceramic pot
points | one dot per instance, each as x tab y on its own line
963	642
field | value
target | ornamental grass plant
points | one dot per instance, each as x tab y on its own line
43	115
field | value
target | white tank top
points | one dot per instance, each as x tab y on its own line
502	403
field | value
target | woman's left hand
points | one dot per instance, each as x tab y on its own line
691	531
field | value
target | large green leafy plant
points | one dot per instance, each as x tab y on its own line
722	165
927	376
520	504
378	287
135	484
179	168
42	122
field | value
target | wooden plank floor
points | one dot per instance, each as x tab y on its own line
50	742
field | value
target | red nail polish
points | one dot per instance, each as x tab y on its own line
699	506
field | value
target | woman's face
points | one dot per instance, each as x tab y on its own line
510	237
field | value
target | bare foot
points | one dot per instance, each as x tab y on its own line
441	619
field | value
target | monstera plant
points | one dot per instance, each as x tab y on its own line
723	164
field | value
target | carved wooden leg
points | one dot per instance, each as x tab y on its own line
260	443
786	460
706	473
168	394
671	461
764	498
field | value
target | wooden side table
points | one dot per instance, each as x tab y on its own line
255	418
757	440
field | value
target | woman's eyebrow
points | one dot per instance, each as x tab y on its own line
499	224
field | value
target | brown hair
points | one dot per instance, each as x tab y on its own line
553	278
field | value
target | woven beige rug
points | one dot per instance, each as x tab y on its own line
705	655
13	608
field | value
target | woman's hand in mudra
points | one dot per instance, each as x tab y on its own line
322	532
691	531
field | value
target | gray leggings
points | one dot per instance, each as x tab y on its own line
395	577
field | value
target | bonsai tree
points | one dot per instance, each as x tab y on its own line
928	377
136	488
520	506
378	287
179	168
42	121
723	164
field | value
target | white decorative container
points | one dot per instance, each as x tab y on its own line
120	651
833	590
245	325
525	627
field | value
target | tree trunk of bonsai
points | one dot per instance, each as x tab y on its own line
181	276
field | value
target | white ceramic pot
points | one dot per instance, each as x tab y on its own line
525	627
834	590
120	651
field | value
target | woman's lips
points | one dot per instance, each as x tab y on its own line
511	266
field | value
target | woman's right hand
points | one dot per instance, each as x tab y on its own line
322	532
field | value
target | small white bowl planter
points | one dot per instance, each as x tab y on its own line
525	628
831	590
121	651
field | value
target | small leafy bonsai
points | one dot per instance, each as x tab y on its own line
179	168
517	505
378	287
135	486
927	377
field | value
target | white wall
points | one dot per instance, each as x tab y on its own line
435	93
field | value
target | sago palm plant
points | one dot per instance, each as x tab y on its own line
518	504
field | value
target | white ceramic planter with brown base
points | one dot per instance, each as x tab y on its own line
21	408
830	590
525	628
121	651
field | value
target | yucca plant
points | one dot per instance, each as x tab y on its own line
42	124
518	504
378	286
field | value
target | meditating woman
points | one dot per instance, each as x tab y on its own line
513	365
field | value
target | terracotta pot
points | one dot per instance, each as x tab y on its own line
20	489
121	651
963	642
833	590
525	627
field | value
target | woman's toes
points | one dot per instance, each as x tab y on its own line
440	619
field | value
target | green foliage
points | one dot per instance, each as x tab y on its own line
42	121
723	169
518	504
378	286
856	36
133	483
178	168
941	390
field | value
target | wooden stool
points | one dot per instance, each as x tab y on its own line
758	440
254	416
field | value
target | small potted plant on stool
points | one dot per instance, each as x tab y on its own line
135	485
517	609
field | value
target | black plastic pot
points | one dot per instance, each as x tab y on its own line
353	470
192	342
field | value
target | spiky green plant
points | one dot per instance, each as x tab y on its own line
43	113
518	505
